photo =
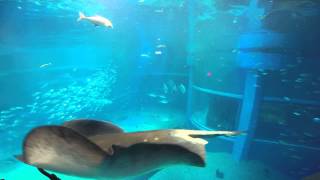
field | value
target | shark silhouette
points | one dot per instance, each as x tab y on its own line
99	149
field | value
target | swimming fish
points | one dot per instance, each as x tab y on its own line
152	95
99	149
96	20
145	55
165	88
164	101
182	88
158	52
45	65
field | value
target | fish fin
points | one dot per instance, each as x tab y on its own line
61	149
146	176
89	127
81	16
19	157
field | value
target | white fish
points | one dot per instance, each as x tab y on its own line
164	101
162	97
297	114
182	88
145	55
158	11
45	65
152	95
96	20
165	88
161	46
158	52
174	88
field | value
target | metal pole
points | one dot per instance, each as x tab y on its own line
247	121
190	56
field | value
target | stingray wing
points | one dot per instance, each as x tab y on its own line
89	127
63	150
188	139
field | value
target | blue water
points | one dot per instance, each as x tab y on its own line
208	65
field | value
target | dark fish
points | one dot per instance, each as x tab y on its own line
99	149
315	176
219	174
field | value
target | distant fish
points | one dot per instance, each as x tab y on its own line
286	98
297	114
165	88
158	11
162	97
96	20
182	88
145	55
161	46
158	52
316	120
296	157
164	101
45	65
152	95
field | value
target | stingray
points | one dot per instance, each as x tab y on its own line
101	150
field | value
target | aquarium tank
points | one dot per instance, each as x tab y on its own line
250	66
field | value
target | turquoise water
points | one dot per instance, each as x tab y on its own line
248	65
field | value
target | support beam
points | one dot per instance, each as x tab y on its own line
247	121
190	57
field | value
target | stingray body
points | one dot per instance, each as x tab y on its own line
99	149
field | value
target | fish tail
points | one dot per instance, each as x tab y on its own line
81	16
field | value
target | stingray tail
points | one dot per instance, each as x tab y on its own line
81	16
201	133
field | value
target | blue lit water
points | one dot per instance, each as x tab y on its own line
210	65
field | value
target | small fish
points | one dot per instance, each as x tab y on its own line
297	114
304	74
162	97
152	95
296	157
158	10
145	55
299	80
165	88
308	134
5	112
283	134
286	98
182	88
161	46
164	101
316	120
158	52
219	174
96	20
45	65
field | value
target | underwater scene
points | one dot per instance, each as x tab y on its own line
160	89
